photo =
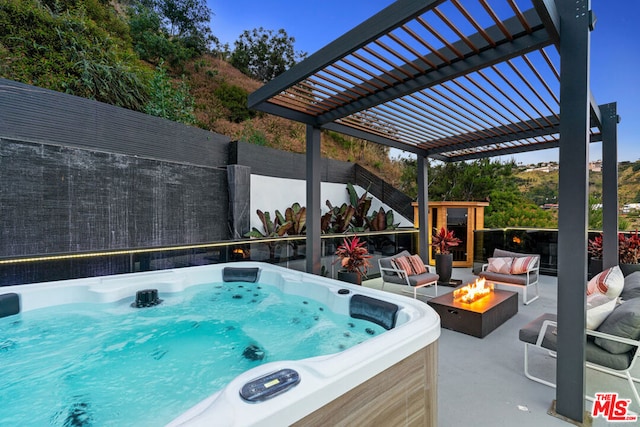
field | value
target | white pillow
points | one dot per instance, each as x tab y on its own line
599	307
500	265
610	282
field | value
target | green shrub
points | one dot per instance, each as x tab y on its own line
234	99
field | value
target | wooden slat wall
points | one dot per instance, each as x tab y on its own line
388	194
403	395
29	113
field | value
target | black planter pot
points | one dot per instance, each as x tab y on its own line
350	277
595	267
627	269
444	267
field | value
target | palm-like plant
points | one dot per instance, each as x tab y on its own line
354	255
443	240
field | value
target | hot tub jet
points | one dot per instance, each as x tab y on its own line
146	298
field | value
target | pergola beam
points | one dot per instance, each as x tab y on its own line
506	135
573	188
472	62
381	23
609	185
357	133
551	18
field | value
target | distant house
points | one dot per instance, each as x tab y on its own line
631	207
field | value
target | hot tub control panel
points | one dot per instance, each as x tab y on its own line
270	385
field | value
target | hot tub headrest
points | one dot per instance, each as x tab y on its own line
9	304
374	310
240	274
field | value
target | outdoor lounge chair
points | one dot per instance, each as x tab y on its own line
611	348
391	273
522	279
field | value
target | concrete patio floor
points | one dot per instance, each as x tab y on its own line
481	382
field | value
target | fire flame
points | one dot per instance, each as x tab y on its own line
473	291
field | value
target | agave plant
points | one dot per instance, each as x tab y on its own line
443	240
354	255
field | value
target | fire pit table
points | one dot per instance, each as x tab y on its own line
475	312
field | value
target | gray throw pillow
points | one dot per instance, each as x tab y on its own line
623	322
631	288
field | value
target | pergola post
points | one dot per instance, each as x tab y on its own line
609	114
313	250
423	208
573	199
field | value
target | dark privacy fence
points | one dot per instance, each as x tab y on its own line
78	175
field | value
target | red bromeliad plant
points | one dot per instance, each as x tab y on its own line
354	255
594	247
628	248
443	240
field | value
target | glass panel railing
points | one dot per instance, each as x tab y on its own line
289	252
526	240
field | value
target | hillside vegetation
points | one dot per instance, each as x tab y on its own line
160	57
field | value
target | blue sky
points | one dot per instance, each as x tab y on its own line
615	55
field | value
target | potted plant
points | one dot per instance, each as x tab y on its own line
594	248
442	241
354	259
628	253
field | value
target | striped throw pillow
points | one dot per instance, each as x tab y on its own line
522	264
500	265
417	265
610	282
403	263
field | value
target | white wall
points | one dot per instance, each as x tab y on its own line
269	193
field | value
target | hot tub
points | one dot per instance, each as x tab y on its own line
390	378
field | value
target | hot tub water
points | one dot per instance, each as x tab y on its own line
111	364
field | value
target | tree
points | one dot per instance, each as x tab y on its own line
170	101
171	30
263	54
511	209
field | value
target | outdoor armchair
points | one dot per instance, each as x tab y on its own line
400	269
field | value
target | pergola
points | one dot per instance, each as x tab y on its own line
453	81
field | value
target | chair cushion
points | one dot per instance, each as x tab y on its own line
631	288
514	279
609	282
599	307
623	322
500	265
599	356
593	353
522	264
421	279
529	333
417	265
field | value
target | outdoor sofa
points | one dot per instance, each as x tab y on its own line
612	342
513	269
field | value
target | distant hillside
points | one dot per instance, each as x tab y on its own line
542	187
213	84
